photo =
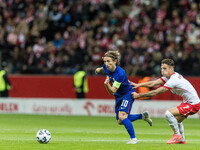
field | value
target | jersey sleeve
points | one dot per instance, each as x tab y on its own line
105	68
170	84
118	80
164	79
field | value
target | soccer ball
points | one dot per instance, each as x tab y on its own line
43	136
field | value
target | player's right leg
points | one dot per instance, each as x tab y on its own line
174	125
185	110
128	125
181	129
124	108
132	141
175	139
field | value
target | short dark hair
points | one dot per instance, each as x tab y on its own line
168	61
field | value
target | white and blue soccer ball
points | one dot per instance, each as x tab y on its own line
43	136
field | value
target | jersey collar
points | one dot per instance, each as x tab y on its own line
171	75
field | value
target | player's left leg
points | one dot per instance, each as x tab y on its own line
134	117
145	116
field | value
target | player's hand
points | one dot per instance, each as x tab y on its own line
135	85
97	70
135	95
107	80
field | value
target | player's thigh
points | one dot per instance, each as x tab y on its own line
123	110
126	106
120	113
180	118
174	111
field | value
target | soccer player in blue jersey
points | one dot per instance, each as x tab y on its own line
121	88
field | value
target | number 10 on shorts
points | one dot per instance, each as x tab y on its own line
124	103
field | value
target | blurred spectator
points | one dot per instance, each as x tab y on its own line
5	85
193	35
58	41
80	83
52	37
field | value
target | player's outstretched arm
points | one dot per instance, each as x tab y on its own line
150	93
135	85
98	70
147	84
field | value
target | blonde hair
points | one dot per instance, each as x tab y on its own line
115	55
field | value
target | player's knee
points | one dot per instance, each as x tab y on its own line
119	122
122	115
168	114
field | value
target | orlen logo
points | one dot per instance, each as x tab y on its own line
8	107
88	106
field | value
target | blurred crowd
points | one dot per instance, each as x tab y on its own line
57	36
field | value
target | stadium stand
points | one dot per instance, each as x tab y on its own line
55	36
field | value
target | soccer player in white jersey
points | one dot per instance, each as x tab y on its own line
177	84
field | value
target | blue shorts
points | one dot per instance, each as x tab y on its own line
124	104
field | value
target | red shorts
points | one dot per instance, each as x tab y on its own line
187	109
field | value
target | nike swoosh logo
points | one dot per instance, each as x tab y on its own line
186	106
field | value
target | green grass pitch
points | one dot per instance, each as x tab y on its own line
18	132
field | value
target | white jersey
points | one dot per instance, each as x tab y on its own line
177	84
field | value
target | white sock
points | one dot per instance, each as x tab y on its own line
181	129
172	122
